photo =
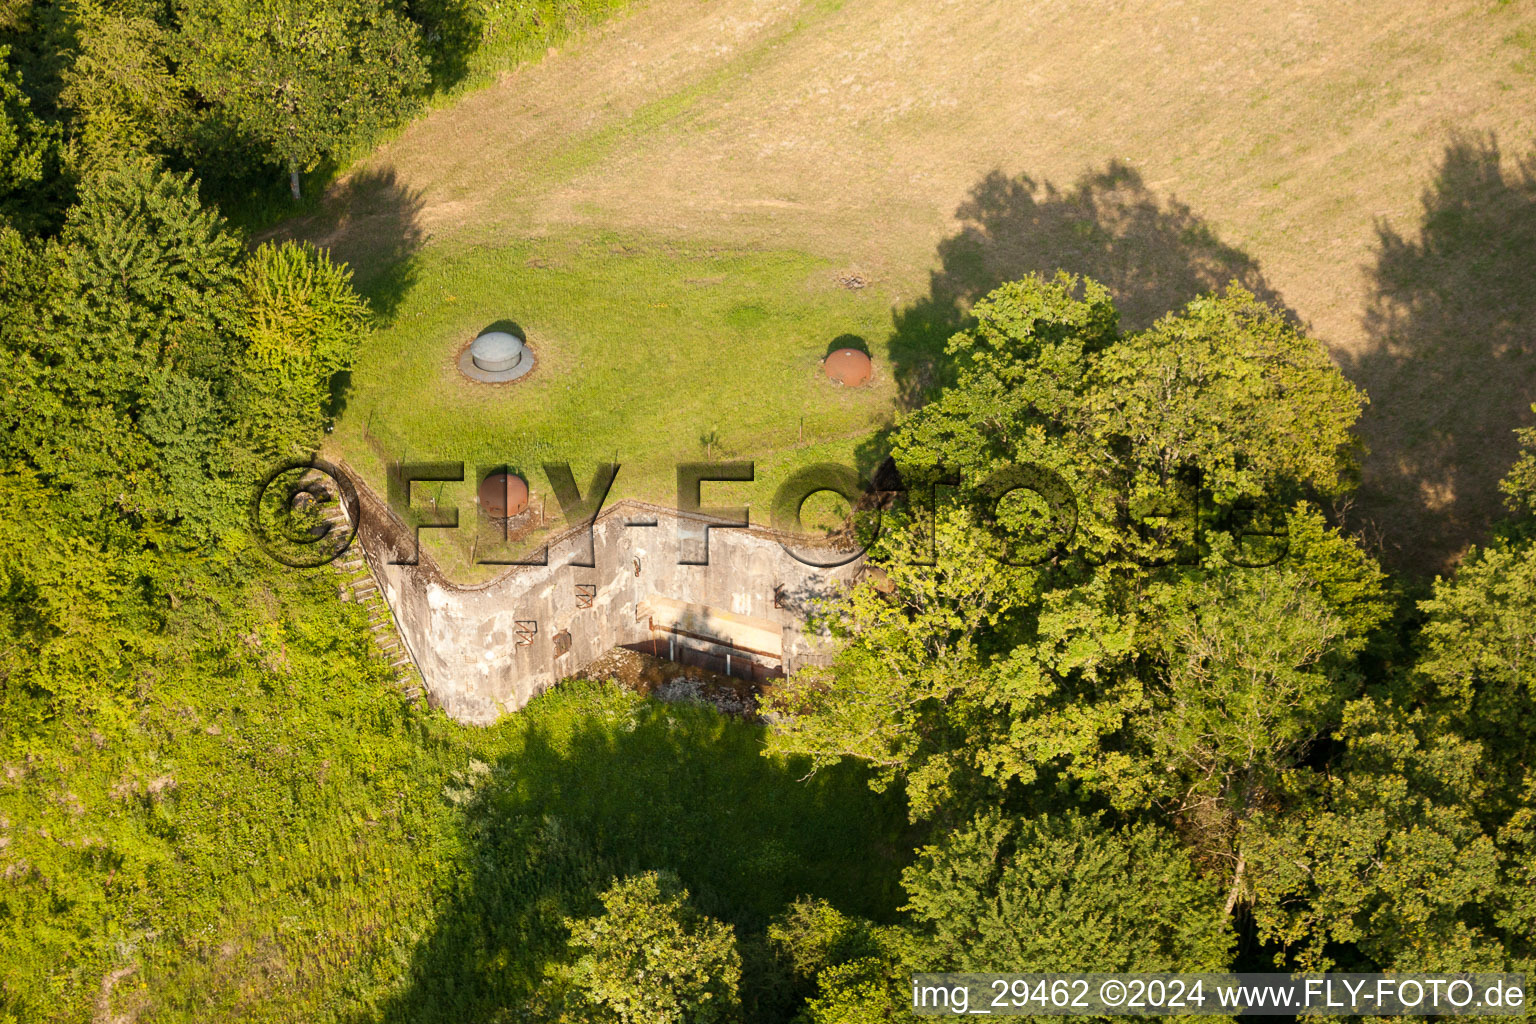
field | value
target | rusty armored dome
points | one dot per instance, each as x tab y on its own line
848	366
503	495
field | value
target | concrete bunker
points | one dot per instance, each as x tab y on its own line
487	649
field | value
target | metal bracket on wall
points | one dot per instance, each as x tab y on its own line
526	628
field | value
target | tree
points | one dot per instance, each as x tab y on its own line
120	88
1246	683
302	323
980	672
1383	865
813	935
1478	652
938	678
304	79
651	958
1229	386
1519	485
1476	673
843	969
1063	893
869	990
1226	388
115	371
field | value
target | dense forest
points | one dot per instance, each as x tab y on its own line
1209	732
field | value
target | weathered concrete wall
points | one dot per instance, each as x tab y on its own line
466	638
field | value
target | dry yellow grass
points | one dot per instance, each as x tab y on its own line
1286	142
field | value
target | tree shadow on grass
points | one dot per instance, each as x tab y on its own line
451	31
1153	253
370	221
1450	360
566	809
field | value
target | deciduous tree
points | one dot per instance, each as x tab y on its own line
651	958
1383	865
1064	893
304	78
976	672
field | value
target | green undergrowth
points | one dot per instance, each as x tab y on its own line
267	831
594	782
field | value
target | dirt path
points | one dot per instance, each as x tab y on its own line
1166	142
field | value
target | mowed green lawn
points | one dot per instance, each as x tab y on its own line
648	355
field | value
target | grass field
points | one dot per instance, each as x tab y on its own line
1318	150
648	355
